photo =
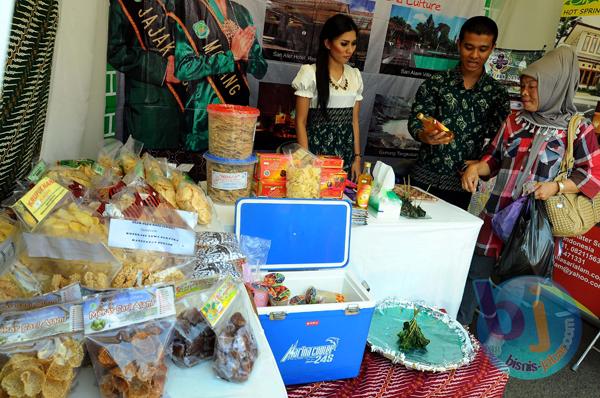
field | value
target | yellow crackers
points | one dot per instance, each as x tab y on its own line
47	373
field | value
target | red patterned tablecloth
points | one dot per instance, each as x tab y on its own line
379	378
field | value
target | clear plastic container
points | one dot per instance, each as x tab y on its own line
231	130
228	179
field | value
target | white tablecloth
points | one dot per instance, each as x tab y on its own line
200	381
425	259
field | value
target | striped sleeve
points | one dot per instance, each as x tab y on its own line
493	152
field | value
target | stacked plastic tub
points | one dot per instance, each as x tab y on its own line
229	160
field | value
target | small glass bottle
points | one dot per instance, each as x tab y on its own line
363	190
431	123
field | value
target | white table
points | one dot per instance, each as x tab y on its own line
200	381
425	260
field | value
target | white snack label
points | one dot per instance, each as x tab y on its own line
137	235
229	181
66	249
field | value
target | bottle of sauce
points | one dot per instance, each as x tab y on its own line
431	123
363	190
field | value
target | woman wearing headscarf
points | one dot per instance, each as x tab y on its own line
527	152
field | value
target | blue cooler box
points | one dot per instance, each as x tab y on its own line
310	246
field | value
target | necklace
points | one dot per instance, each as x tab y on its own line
339	86
230	28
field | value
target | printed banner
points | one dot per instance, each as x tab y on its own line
579	8
505	66
577	270
292	28
388	132
399	40
421	36
579	27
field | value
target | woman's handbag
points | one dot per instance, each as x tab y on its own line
571	214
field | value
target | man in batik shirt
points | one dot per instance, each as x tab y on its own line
468	102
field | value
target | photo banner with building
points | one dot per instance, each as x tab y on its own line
420	41
579	27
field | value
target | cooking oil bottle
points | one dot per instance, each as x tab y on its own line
363	190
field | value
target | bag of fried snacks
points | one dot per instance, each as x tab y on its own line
144	268
75	221
303	173
129	155
127	333
83	171
57	261
40	201
68	294
154	166
193	339
41	351
191	197
227	312
108	154
17	281
139	201
7	228
69	246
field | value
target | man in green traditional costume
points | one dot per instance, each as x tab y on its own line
141	45
216	47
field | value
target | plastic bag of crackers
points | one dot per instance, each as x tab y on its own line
41	351
145	268
69	246
303	173
127	335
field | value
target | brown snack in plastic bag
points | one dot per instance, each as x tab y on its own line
236	350
129	358
193	339
42	362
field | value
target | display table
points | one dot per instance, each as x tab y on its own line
380	378
200	381
424	260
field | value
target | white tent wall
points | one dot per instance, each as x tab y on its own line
526	24
74	124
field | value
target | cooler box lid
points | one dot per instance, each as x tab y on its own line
304	233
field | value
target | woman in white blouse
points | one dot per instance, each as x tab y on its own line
328	96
